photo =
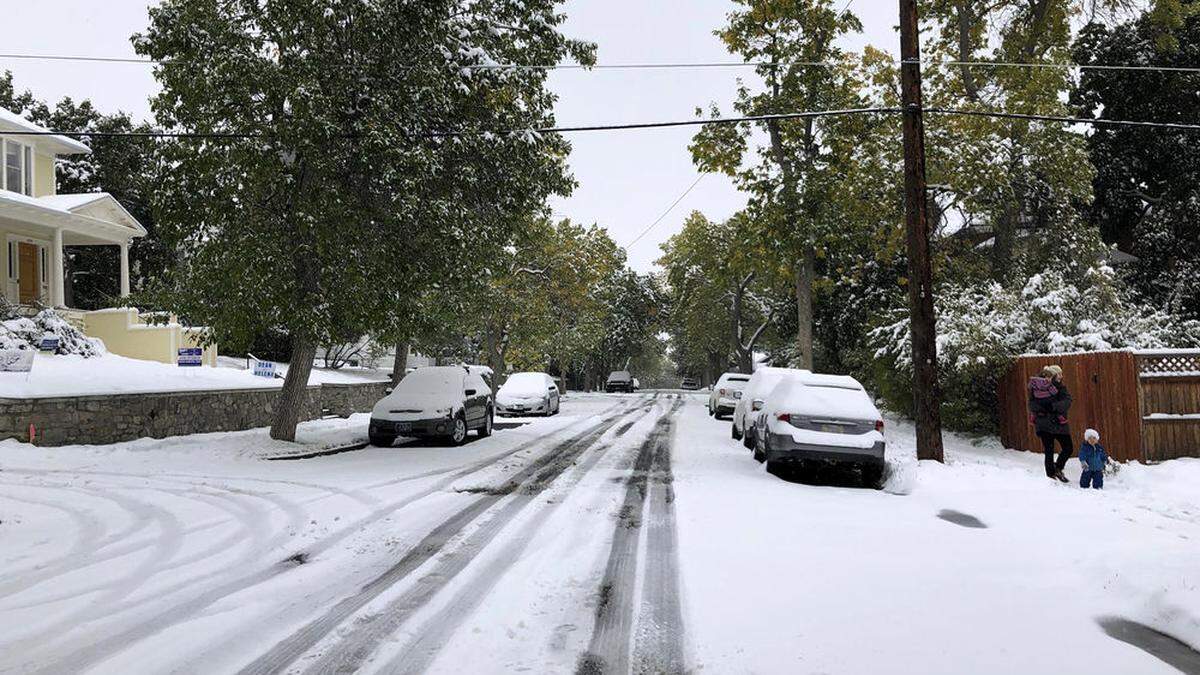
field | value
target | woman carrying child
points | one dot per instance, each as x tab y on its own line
1049	402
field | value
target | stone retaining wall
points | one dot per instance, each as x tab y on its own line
97	420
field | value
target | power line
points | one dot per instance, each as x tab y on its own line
664	213
673	65
442	134
643	125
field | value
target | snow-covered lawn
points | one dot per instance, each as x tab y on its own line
72	375
564	540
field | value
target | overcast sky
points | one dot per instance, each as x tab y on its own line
626	179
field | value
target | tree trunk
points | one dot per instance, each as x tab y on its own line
294	394
399	362
966	24
1004	241
804	306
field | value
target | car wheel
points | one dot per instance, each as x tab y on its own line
734	433
488	421
381	440
760	455
458	433
748	440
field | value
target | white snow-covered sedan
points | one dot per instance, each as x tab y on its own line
435	401
753	398
528	394
820	418
723	398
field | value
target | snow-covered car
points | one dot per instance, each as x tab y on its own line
757	387
619	380
434	401
725	393
690	383
820	418
527	394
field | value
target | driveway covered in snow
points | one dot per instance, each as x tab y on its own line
630	533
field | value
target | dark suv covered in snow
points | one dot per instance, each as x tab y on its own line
619	380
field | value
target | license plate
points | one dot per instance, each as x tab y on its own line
403	427
831	428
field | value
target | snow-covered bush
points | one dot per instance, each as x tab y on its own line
18	332
982	329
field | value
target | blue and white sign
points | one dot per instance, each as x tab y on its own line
49	343
264	369
191	356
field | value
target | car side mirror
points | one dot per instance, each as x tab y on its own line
470	392
757	404
552	388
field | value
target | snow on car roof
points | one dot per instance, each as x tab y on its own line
433	380
526	384
825	397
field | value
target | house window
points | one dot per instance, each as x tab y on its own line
18	167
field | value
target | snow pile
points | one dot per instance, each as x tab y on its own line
28	333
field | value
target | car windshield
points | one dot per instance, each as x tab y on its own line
525	384
439	381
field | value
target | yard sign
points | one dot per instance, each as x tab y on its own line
264	368
191	356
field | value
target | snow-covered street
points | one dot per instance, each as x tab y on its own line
629	533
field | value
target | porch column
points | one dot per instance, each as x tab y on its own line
124	269
58	297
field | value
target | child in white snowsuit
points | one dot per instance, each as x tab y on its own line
1093	458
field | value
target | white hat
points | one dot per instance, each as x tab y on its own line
1091	435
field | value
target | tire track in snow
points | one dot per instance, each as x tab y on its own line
369	631
609	650
117	638
433	634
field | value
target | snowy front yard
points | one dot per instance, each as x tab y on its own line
628	533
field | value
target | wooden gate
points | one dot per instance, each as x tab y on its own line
1169	396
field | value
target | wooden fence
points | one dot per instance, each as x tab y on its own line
1103	387
1145	404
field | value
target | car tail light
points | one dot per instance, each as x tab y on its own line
721	392
879	426
784	417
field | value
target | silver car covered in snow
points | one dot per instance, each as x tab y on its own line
820	418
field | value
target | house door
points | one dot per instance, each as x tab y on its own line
29	269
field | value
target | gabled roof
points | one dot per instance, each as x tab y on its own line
93	213
60	145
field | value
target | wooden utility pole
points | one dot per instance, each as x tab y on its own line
927	394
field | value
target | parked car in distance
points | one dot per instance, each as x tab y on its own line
619	380
434	401
528	394
691	383
757	387
725	393
821	418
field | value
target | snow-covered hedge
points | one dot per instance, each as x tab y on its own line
982	329
27	333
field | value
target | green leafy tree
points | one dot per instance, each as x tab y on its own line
356	158
790	178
